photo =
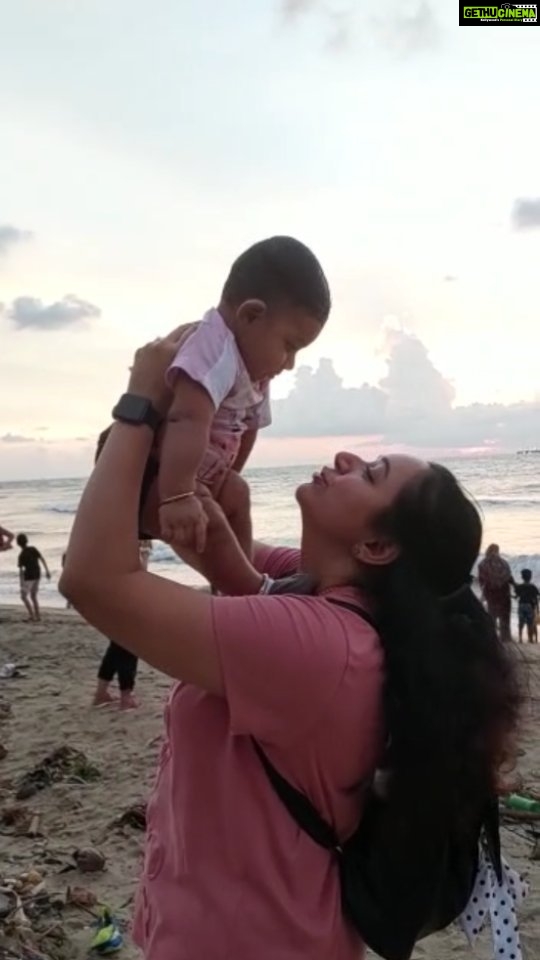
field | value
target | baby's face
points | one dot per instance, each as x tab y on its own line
269	343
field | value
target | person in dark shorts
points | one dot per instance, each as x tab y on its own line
117	661
29	563
528	595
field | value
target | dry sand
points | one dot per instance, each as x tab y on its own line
50	708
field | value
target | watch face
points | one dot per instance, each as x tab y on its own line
137	411
134	408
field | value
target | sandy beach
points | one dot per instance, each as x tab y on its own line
47	707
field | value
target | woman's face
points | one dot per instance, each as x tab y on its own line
344	501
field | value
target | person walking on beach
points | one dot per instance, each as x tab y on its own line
6	539
388	660
495	578
30	574
528	595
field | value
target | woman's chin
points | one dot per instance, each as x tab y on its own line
303	492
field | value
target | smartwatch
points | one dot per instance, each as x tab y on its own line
137	410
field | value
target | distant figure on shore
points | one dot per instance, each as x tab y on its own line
68	604
30	574
528	595
145	552
119	662
6	539
495	578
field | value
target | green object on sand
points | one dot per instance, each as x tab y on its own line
516	802
108	938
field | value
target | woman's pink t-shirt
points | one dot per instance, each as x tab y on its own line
228	875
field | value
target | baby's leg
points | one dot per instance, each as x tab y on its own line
233	498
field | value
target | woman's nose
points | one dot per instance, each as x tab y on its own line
345	462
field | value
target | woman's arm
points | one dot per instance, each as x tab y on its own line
225	564
166	624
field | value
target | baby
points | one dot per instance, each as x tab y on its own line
274	303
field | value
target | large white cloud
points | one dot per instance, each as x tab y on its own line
402	29
412	404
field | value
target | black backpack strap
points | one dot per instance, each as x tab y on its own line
299	806
363	614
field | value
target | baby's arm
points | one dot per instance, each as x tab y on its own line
185	441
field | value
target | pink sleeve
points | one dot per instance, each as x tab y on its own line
283	660
277	561
209	357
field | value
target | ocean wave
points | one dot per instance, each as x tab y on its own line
60	508
509	501
162	553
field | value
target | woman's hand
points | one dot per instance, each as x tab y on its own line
224	563
151	362
147	376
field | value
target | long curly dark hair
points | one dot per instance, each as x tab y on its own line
452	692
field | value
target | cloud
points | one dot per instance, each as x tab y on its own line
413	404
403	32
16	438
29	312
10	236
294	8
526	213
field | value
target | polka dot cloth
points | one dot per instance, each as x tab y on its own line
497	903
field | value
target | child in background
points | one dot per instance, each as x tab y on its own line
30	562
274	303
527	594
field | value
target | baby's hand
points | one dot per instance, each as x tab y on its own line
184	522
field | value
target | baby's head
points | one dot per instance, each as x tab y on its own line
526	575
276	301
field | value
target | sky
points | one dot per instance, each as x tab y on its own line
144	145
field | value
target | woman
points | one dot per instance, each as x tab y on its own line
495	579
228	874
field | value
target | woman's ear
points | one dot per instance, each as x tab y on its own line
376	553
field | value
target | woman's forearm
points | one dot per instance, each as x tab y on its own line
104	539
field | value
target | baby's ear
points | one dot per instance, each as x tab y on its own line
251	310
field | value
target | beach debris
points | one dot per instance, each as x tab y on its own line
34	827
89	860
81	897
8	671
16	816
535	852
63	763
134	816
31	923
108	938
518	803
3	751
8	902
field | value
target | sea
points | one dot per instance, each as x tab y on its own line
506	488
